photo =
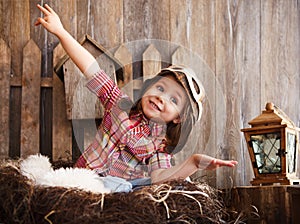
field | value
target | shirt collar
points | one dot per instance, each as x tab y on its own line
157	129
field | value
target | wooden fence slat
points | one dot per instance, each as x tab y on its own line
180	57
151	62
62	131
30	110
19	32
5	63
125	57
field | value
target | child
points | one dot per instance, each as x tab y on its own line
137	142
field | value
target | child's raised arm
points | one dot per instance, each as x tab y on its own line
80	56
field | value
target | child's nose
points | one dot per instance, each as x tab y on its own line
161	98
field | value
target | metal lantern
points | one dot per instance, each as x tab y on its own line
272	143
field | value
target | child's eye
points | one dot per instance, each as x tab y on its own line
160	88
174	100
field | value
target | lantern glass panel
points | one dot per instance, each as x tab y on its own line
291	152
266	148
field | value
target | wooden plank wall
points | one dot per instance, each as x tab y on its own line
250	49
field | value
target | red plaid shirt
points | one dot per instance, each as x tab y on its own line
127	147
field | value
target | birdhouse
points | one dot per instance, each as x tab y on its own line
80	102
272	143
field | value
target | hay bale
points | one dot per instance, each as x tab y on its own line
174	202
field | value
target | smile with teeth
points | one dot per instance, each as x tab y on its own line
154	106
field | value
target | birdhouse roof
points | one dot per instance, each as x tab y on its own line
95	49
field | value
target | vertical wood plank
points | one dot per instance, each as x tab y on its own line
19	33
30	114
5	63
16	33
272	203
238	43
247	59
5	16
237	68
193	27
124	56
141	19
201	138
280	52
15	121
280	46
102	20
62	129
151	62
146	21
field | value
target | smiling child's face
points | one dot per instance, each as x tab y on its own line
164	101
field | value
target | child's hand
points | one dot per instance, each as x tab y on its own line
205	162
215	163
50	21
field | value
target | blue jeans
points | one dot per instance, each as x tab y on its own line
139	182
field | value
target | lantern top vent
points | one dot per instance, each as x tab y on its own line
272	115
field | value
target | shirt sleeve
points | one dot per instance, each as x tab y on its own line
104	88
160	161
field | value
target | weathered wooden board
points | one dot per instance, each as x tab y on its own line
280	51
247	59
30	113
19	32
62	129
124	56
15	103
16	30
151	62
78	98
5	63
5	9
81	103
272	203
237	69
196	39
102	20
146	22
